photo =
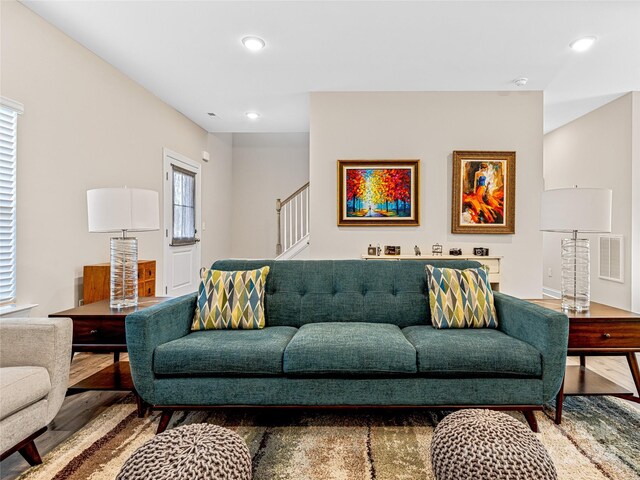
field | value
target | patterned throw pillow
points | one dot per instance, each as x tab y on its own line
460	298
231	300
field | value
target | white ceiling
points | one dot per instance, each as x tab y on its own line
189	53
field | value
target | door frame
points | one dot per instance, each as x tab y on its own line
170	157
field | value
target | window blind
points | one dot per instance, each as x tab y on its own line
8	144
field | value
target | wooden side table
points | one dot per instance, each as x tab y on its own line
99	328
604	331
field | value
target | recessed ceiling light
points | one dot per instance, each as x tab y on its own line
582	44
252	115
253	43
521	82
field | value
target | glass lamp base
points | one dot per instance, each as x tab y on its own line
124	273
575	275
570	306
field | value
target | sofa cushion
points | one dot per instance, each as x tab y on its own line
21	387
224	352
460	298
358	349
231	300
473	352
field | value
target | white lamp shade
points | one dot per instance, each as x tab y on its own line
117	209
576	209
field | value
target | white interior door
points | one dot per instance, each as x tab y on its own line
182	224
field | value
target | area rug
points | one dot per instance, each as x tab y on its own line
599	439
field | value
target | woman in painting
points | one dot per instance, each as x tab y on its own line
480	181
485	204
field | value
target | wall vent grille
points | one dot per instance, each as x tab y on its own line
610	265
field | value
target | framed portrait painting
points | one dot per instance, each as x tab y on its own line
484	192
378	192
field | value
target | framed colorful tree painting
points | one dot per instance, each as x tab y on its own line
484	192
378	192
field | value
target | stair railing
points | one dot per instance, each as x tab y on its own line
293	218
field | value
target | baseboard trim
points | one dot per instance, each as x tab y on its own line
551	292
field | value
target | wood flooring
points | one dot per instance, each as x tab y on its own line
77	410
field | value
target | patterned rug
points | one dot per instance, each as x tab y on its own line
599	439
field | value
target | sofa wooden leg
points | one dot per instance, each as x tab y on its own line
141	405
30	453
531	420
27	448
559	403
164	420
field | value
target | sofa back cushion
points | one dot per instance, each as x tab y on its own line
376	291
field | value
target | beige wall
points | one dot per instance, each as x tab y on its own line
429	126
85	125
216	199
594	151
266	166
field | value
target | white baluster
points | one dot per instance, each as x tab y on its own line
290	225
295	219
300	216
285	237
307	210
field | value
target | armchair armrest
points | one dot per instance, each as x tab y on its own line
40	342
545	329
151	327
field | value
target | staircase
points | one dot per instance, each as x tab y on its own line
293	224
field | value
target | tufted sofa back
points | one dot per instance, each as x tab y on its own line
377	291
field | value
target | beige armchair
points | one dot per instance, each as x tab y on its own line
35	354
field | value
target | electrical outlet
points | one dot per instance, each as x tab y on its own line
550	272
81	302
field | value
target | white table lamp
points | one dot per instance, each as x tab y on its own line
573	210
123	210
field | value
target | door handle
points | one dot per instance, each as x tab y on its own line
196	239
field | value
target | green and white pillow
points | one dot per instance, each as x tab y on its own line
231	300
460	298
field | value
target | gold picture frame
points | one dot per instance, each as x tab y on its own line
378	192
484	192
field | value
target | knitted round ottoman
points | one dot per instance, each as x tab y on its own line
488	445
190	452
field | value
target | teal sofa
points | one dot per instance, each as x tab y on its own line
347	333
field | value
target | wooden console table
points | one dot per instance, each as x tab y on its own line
493	263
604	331
99	328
